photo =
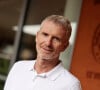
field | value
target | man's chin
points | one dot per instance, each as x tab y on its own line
48	58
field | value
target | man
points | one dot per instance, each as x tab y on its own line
46	72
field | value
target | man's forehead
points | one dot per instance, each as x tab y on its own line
51	24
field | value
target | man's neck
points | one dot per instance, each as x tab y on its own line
42	66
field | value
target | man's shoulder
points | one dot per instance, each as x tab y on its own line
25	64
69	79
68	76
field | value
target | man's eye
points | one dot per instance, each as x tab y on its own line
45	34
56	39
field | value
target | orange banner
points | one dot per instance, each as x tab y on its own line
86	56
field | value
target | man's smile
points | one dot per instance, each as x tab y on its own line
46	50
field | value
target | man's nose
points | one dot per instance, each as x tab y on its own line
49	41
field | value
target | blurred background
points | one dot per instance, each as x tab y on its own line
20	20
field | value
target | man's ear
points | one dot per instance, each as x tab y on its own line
36	37
65	46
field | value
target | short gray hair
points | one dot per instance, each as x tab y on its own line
62	21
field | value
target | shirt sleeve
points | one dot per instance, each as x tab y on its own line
76	86
10	78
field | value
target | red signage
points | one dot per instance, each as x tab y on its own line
86	56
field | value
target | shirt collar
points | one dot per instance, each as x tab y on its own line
55	72
31	66
52	74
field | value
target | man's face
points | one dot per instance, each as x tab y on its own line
50	41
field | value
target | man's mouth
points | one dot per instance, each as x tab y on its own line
47	50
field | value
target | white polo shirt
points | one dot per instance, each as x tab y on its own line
23	77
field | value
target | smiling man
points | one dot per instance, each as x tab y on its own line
47	71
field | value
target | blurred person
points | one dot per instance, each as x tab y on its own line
47	71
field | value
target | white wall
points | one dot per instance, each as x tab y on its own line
72	12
